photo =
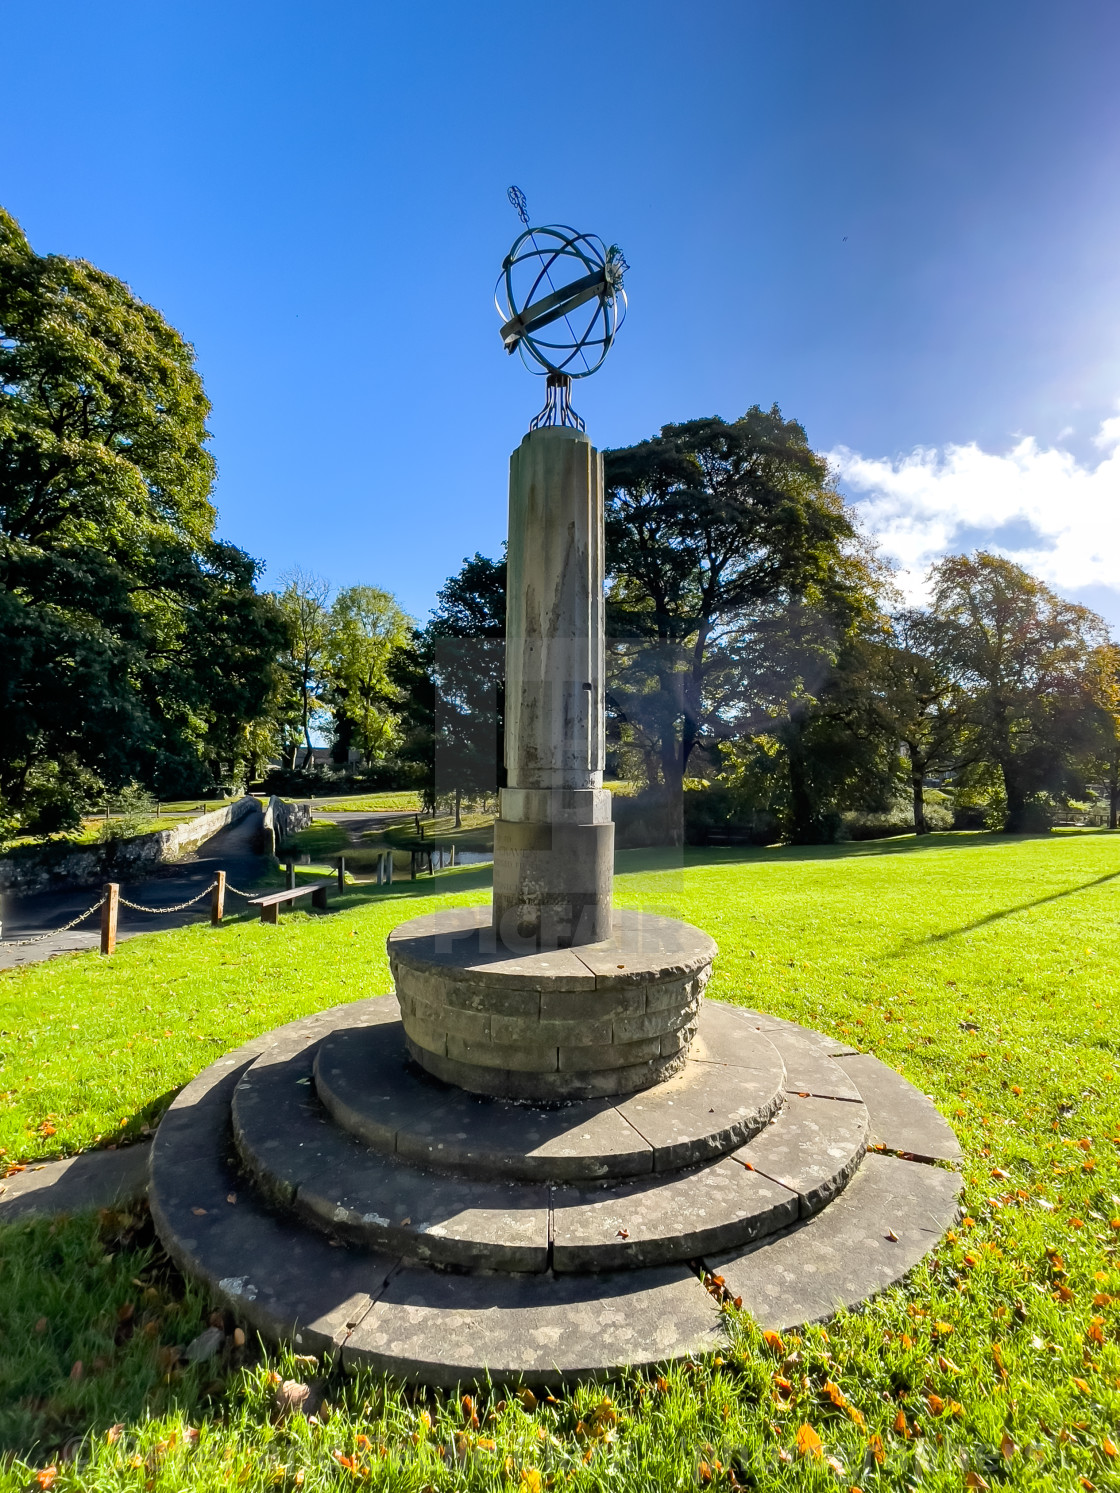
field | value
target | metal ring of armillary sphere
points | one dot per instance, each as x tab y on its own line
561	301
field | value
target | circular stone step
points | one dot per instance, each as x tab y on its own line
300	1159
441	1327
366	1082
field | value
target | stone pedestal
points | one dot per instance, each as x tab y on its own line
524	1023
554	840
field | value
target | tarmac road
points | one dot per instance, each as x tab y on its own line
231	850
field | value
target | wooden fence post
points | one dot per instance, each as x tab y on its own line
218	899
289	874
109	917
342	873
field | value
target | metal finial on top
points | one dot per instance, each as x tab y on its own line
590	308
518	203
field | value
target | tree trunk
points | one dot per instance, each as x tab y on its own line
458	808
1016	798
800	793
1113	789
917	783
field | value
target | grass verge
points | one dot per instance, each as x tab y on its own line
984	968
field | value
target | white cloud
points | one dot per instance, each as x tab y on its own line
1039	506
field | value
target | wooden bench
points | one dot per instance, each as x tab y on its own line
271	904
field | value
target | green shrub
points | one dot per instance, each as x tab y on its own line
57	813
133	809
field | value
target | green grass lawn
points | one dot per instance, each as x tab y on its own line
89	834
170	816
404	801
474	832
321	840
983	968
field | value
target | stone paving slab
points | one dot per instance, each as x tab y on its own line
727	1040
809	1071
460	942
646	947
832	1047
95	1179
813	1147
844	1254
300	1157
368	1085
902	1117
707	1109
188	1129
447	1329
661	1218
286	1280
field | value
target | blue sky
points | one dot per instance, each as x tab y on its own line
899	221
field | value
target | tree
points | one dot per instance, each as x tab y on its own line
1022	655
916	699
452	686
135	643
303	606
366	627
721	538
1104	691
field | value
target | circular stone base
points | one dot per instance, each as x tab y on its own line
340	1242
576	1023
366	1083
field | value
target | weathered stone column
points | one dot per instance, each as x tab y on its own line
554	839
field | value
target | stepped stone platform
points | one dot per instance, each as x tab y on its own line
336	1193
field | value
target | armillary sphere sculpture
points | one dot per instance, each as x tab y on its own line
567	284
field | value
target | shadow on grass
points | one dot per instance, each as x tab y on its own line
1007	912
654	858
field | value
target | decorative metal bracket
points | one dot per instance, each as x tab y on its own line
558	406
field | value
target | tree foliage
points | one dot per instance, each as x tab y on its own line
1020	654
915	699
736	574
135	643
452	684
366	628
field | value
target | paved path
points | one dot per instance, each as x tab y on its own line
94	1179
231	849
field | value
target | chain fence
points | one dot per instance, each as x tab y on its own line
54	932
178	906
123	902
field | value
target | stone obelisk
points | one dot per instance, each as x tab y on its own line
554	839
